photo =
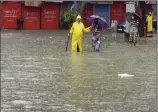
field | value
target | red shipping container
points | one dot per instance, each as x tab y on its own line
31	16
117	12
50	16
0	15
10	12
148	8
138	12
88	11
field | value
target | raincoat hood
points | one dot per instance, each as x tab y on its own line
78	17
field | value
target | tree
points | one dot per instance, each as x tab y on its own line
70	15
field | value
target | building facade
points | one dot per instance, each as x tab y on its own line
48	15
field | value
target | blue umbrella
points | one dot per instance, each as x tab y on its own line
102	22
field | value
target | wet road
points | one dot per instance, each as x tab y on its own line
37	75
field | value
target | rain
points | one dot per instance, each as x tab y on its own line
37	75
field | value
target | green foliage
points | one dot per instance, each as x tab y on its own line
69	17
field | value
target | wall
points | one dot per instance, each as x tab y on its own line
11	11
117	11
31	16
88	11
50	16
103	11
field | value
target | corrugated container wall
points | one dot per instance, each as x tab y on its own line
31	16
11	11
103	10
117	11
50	16
0	15
88	11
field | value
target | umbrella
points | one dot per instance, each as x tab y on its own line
133	14
102	22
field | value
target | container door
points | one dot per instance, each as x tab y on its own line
0	15
88	11
148	8
117	12
50	16
31	16
11	11
103	11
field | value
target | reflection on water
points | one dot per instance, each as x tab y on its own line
76	78
77	63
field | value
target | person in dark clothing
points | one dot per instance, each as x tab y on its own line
95	24
155	26
20	23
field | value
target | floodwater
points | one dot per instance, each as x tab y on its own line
37	75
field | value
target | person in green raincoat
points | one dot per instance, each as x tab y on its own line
149	22
76	32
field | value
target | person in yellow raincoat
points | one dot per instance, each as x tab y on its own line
76	32
149	22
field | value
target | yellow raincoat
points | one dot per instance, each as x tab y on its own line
76	31
149	22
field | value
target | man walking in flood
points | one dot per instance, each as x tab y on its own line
76	32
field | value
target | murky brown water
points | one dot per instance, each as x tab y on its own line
37	75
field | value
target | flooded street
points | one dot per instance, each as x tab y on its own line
37	75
